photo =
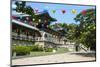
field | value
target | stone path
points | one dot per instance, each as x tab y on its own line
57	58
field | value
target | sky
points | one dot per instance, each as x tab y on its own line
67	17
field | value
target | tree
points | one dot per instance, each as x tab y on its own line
66	29
86	30
37	19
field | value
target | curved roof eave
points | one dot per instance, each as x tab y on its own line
25	25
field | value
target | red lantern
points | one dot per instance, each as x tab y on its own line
84	12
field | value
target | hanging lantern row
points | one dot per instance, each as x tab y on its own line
73	11
39	20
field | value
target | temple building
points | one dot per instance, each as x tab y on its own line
27	33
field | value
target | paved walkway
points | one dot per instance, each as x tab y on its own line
57	58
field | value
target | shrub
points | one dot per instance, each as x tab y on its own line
36	48
48	49
21	50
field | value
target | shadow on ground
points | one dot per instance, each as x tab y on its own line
86	54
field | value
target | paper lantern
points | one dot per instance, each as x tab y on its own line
30	22
36	10
39	20
74	11
84	12
27	18
45	21
94	27
63	11
33	19
53	11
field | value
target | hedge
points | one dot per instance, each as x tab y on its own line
36	48
21	50
48	49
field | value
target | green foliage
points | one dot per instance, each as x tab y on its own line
21	50
36	48
23	8
48	49
86	30
40	48
68	29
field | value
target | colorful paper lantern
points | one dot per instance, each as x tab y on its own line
63	11
30	22
84	12
33	19
74	11
27	18
53	11
94	27
36	10
45	21
39	20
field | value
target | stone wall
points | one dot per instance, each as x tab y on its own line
22	42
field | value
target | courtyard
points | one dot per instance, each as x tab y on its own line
55	58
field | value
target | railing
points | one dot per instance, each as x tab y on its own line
31	38
83	47
53	40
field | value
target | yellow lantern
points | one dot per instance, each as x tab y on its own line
74	11
33	19
39	20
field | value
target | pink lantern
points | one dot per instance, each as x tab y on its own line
30	22
36	11
27	18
